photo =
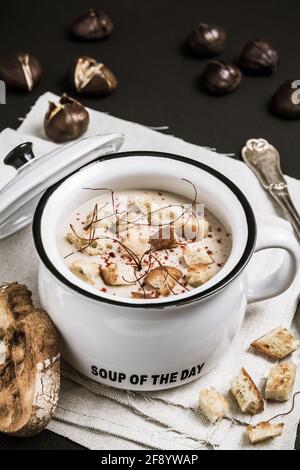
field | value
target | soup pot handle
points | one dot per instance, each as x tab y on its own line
270	285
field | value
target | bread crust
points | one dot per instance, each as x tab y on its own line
30	372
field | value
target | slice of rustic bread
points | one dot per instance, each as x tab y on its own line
29	365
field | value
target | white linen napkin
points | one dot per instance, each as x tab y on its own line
100	417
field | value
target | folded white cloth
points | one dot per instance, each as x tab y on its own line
100	417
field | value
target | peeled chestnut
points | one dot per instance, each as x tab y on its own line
20	71
92	25
66	120
91	77
259	56
206	40
286	100
219	78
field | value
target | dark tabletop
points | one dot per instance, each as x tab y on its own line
158	85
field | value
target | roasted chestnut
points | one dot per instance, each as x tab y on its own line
219	78
66	120
20	71
92	25
206	40
258	56
91	77
286	100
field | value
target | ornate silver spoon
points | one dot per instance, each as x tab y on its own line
264	161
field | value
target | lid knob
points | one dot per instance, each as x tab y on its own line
19	155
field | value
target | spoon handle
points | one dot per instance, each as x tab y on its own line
264	161
285	202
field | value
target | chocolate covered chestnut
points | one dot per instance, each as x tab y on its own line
91	77
92	25
219	78
20	71
206	40
66	120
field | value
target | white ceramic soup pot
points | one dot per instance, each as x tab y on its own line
159	343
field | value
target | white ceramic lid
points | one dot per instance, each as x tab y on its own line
19	197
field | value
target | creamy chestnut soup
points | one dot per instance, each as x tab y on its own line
143	244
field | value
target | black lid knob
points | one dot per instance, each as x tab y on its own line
19	155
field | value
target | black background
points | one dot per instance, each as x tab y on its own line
158	85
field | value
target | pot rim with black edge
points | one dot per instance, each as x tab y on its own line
249	247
